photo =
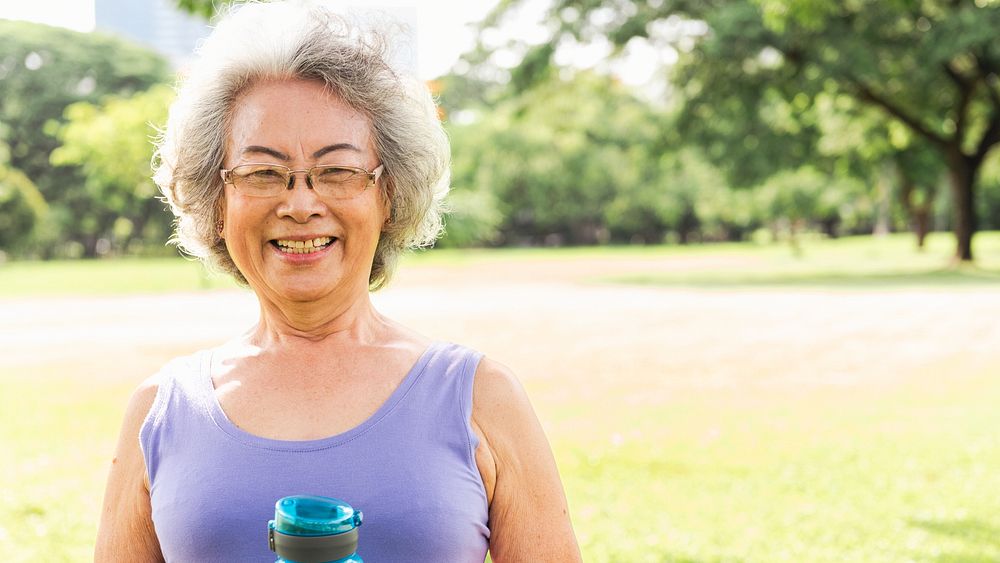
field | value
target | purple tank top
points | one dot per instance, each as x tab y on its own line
410	468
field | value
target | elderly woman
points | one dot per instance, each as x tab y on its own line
298	160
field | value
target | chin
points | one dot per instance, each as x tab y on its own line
305	294
309	290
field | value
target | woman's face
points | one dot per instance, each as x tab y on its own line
298	124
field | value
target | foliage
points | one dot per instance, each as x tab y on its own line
43	70
579	159
112	145
752	72
988	201
21	208
685	199
796	198
205	8
472	220
547	155
555	158
646	209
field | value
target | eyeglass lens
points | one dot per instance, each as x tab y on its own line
336	181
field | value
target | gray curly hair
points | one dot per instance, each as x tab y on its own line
300	40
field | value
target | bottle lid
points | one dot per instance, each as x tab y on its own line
305	515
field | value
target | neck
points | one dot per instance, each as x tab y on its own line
331	321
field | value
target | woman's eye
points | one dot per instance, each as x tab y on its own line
335	175
265	174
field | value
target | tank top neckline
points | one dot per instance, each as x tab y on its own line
222	421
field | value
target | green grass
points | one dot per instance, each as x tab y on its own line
718	477
864	263
56	436
107	277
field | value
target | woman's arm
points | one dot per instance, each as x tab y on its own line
529	519
126	529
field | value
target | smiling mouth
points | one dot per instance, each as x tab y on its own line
303	246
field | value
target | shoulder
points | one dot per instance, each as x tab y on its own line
503	420
143	397
145	394
497	393
494	418
529	518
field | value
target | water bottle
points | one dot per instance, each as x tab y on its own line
312	529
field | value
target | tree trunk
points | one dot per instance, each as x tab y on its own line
883	189
829	226
90	245
793	239
962	172
921	223
918	214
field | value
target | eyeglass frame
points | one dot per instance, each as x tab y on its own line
373	176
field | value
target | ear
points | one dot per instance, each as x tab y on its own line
220	214
387	194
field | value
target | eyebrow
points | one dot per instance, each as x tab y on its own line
282	156
264	150
337	147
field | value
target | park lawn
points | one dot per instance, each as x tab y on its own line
853	263
850	263
55	436
759	475
107	277
746	472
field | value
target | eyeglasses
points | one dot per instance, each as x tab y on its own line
268	180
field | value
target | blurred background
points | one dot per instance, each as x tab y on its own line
743	253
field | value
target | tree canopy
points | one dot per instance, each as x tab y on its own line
42	71
112	145
751	77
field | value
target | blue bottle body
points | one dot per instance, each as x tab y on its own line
313	529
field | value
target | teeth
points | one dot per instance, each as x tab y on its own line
303	246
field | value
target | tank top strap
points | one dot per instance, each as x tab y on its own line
177	389
443	393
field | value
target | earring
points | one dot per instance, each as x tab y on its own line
218	227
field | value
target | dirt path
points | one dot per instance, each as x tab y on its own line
549	327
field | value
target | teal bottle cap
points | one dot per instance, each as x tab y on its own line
306	515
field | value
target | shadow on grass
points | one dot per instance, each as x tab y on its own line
982	538
933	279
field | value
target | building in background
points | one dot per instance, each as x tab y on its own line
157	24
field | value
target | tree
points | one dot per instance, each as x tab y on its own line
682	197
554	159
867	144
204	8
44	69
989	200
796	198
752	72
112	145
22	206
920	171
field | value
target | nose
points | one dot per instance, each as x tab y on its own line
300	205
